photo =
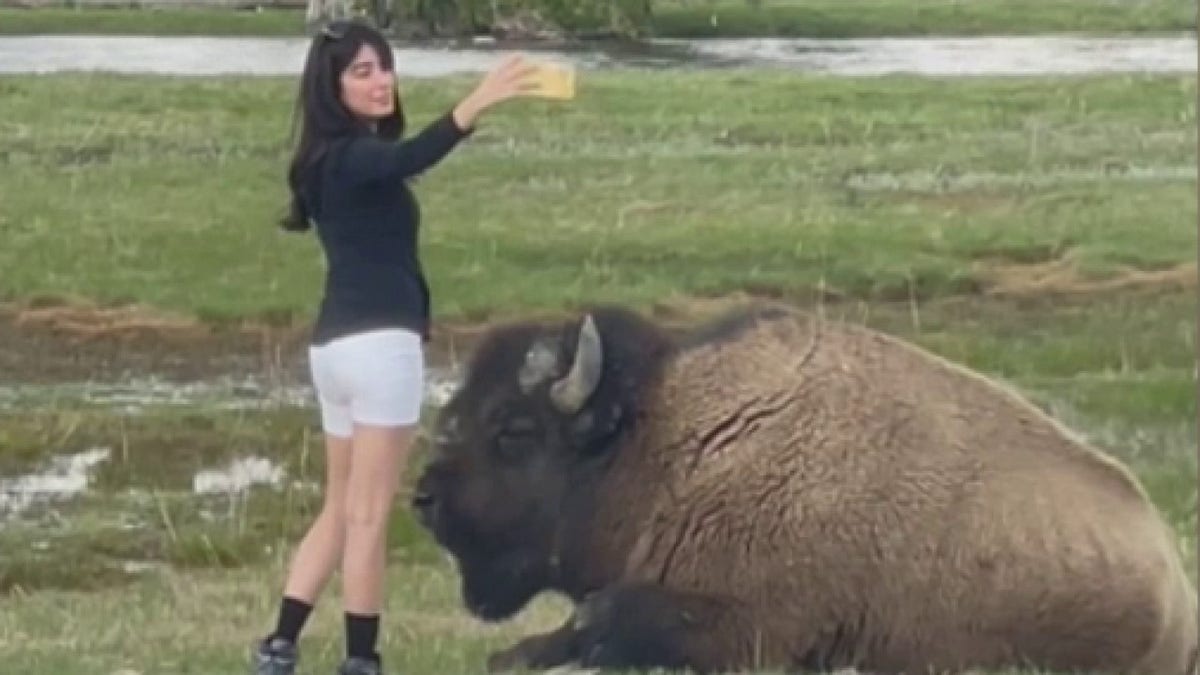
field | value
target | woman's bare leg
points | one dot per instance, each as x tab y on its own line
312	564
321	549
380	456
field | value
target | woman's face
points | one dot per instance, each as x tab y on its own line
367	87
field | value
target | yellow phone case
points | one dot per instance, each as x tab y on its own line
554	81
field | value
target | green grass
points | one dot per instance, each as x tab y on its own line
219	560
423	632
201	623
166	191
924	208
1117	369
143	508
699	18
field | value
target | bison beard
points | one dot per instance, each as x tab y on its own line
498	577
779	491
496	590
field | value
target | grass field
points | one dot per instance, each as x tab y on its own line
723	18
872	188
1039	230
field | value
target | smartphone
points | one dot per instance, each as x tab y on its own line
555	81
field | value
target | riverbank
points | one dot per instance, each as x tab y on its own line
724	18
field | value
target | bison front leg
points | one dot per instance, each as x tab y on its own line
647	626
537	651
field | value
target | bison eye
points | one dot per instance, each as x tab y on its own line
516	439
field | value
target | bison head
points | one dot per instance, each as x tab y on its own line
520	446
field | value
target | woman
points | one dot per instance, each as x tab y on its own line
348	178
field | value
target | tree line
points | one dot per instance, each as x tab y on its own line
521	18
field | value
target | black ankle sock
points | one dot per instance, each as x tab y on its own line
361	633
292	615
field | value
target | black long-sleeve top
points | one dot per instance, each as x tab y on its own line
367	220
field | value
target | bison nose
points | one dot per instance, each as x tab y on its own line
425	504
423	500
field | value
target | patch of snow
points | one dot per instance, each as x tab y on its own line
242	474
66	476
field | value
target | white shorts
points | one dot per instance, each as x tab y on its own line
375	378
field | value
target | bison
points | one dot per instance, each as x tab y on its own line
779	490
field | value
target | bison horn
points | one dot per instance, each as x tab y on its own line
570	392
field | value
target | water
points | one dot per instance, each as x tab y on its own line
63	478
1036	55
132	396
850	57
66	477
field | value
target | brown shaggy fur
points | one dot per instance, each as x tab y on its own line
854	499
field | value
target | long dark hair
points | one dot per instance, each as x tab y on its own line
323	117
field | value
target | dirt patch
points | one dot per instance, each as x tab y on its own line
60	340
1062	277
49	340
83	321
958	201
53	340
67	340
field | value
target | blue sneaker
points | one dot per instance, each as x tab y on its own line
275	656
